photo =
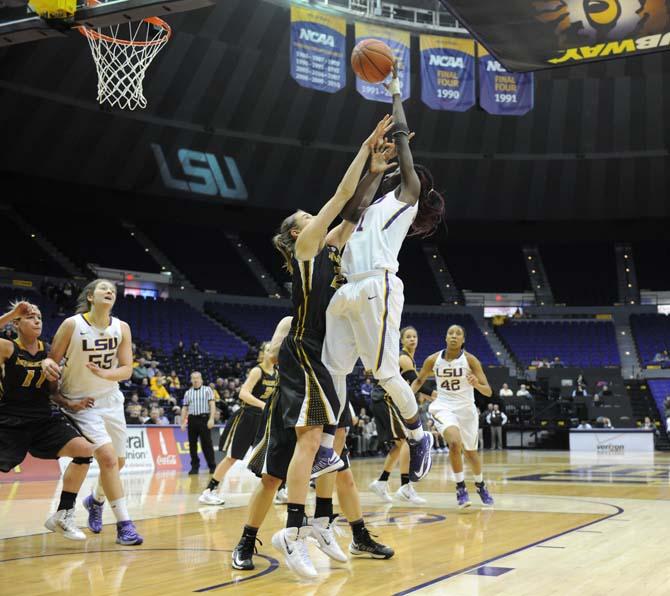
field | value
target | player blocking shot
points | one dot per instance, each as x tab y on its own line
363	318
97	349
457	374
26	421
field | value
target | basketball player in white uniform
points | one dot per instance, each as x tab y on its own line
363	318
98	354
458	374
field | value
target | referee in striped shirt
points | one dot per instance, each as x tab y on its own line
199	407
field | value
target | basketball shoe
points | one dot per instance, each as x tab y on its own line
324	534
126	534
407	493
326	461
366	546
94	509
381	489
208	497
291	543
420	457
63	522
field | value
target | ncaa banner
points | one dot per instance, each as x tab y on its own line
503	93
447	73
530	35
399	42
318	50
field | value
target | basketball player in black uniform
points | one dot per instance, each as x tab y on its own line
26	421
308	406
242	427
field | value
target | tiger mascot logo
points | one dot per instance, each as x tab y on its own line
585	21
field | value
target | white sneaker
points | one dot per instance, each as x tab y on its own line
323	533
290	542
407	493
281	497
208	497
63	522
381	489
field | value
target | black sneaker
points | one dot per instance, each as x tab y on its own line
367	547
244	552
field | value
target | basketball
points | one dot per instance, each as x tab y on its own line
372	60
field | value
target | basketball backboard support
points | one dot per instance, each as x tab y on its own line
19	24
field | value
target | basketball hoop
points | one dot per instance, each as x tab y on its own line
122	62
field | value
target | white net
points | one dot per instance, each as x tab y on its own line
122	62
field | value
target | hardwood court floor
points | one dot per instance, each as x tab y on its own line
560	526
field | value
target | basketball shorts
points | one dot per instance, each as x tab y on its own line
240	432
274	450
104	423
464	418
363	320
307	394
390	425
42	438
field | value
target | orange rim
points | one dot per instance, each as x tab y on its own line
158	22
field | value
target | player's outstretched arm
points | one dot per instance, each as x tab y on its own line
312	236
424	373
410	186
281	331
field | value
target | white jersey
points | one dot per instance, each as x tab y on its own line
378	237
453	389
90	344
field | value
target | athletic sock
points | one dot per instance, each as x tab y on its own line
67	500
99	493
213	484
324	508
120	509
296	515
328	436
415	430
479	478
459	476
384	476
404	479
249	532
357	528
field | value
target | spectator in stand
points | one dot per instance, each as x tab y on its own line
607	423
144	389
661	357
163	419
134	399
649	425
173	382
152	368
220	386
195	350
133	412
370	437
496	420
545	363
176	415
666	408
557	363
584	425
144	415
580	390
505	391
523	392
366	391
180	351
605	392
215	393
154	417
158	389
482	425
140	371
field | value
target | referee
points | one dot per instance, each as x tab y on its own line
199	407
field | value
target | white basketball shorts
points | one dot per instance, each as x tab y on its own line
463	417
363	321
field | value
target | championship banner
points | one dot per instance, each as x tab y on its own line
503	93
399	42
318	44
532	35
447	73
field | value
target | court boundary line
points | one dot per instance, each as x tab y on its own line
619	511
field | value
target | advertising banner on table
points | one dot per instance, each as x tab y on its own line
503	93
164	448
530	35
447	73
399	42
318	45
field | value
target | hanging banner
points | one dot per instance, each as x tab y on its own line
503	93
318	45
399	42
531	35
447	73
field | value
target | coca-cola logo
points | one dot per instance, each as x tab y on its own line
166	460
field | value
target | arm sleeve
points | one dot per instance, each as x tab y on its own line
409	375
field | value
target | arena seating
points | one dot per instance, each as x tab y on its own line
660	389
652	335
255	323
577	343
164	323
22	253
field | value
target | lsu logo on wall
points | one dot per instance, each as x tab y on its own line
588	29
316	37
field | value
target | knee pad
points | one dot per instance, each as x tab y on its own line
82	461
401	394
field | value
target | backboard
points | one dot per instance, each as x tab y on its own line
19	24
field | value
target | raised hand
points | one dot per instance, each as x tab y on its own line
383	127
391	150
22	309
380	156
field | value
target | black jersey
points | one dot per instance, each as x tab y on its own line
314	283
24	390
406	353
265	386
